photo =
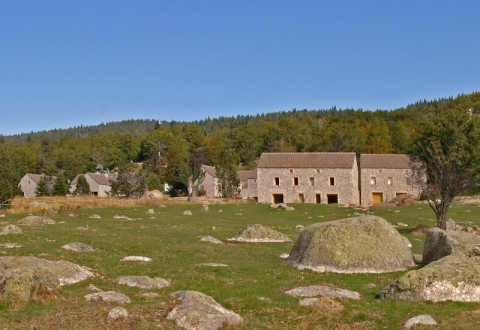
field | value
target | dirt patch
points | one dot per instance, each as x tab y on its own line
420	230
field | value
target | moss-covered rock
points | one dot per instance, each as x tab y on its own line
364	244
454	277
34	220
11	229
259	233
440	243
23	284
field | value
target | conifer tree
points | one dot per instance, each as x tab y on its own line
60	187
9	177
42	188
82	188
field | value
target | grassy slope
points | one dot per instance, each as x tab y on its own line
255	270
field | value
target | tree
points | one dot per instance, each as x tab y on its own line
82	188
42	187
9	177
228	182
197	158
130	182
60	187
446	158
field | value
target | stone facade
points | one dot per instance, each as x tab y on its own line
28	183
99	183
248	183
322	178
384	177
210	182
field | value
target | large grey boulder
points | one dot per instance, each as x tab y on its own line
454	277
34	220
364	244
11	229
24	284
259	233
66	272
198	311
440	243
143	282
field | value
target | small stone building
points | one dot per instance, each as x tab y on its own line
99	183
312	177
210	182
29	182
384	177
248	183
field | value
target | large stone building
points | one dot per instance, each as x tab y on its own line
384	177
29	182
99	183
315	177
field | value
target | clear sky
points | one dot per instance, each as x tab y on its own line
65	63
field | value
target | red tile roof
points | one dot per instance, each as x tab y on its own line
307	160
385	161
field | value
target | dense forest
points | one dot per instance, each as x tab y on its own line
167	149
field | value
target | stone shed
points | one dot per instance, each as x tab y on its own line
99	183
248	182
29	182
384	177
310	177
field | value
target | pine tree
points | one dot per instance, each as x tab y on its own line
9	177
60	187
42	188
82	188
228	182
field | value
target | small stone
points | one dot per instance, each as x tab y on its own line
92	287
187	212
83	227
117	313
213	264
151	211
323	290
299	227
370	286
108	296
94	216
284	255
401	224
420	319
149	294
137	258
205	207
78	247
210	239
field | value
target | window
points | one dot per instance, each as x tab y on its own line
312	181
373	180
319	171
389	180
295	181
380	171
332	181
277	181
408	180
291	170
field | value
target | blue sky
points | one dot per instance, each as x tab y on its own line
66	63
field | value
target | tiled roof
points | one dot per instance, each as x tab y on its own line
307	160
385	161
245	175
102	179
210	170
35	177
75	179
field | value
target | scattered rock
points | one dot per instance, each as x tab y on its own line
205	207
143	282
299	227
274	206
324	302
92	287
440	243
420	230
83	227
213	264
365	244
187	212
11	229
323	290
370	286
149	295
404	200
259	233
150	211
117	313
153	194
108	296
161	205
11	245
78	247
137	258
199	311
23	284
401	224
455	277
418	258
284	255
94	216
289	208
34	220
210	239
420	319
220	202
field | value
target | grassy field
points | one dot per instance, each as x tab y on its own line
252	285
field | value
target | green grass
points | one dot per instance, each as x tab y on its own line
254	270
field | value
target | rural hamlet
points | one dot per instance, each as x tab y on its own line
307	177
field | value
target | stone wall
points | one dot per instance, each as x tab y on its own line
310	183
388	182
209	183
28	186
248	188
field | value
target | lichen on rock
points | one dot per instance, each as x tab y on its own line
364	244
259	233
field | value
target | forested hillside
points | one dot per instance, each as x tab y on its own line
168	149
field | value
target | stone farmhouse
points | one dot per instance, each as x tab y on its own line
314	177
99	183
384	177
29	182
248	184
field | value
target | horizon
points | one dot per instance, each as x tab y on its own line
66	64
